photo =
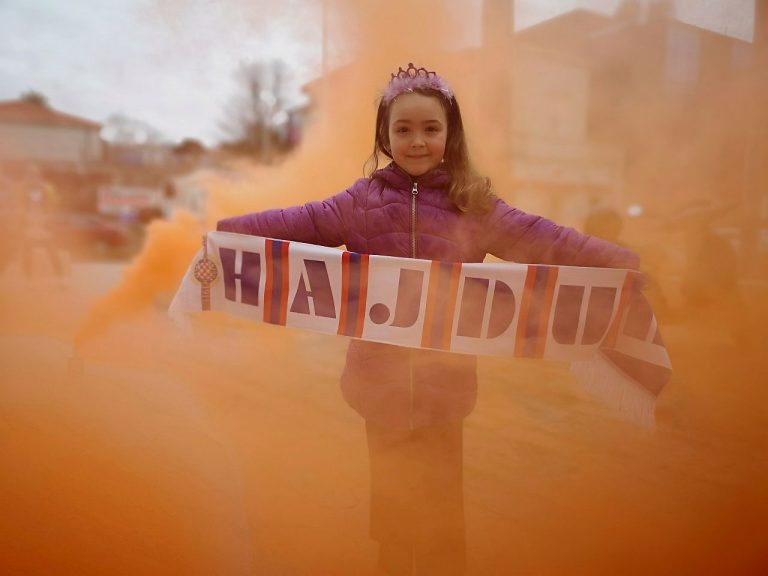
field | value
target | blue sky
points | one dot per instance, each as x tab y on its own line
171	63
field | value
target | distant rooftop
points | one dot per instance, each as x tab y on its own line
25	112
581	32
580	24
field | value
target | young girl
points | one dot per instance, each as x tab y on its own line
427	203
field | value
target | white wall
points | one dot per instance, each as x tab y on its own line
49	143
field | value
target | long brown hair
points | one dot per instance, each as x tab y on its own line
468	190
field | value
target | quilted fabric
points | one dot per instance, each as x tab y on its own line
373	216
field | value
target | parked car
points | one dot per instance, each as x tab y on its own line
91	235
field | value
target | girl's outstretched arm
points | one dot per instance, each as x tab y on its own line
527	238
319	222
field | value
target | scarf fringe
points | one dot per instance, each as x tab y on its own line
603	381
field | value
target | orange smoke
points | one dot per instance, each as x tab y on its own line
229	449
155	272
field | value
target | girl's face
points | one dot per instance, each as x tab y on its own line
418	129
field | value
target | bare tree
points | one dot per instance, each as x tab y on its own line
35	97
260	108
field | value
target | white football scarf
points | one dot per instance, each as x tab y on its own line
592	318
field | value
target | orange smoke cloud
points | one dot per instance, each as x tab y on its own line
230	450
156	271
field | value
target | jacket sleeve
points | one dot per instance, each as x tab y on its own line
526	238
324	223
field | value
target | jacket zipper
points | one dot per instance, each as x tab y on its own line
414	193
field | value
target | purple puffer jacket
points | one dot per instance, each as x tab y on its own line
400	387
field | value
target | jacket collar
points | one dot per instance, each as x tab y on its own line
395	176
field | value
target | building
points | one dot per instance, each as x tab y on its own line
558	166
68	150
533	101
32	131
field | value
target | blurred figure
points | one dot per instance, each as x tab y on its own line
9	218
711	273
606	222
39	201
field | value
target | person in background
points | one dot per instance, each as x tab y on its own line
39	201
711	273
606	222
9	218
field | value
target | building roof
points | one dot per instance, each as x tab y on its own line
24	112
568	28
577	26
597	38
